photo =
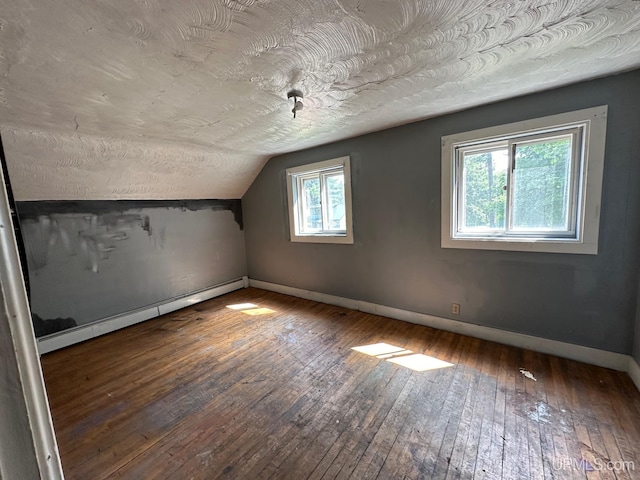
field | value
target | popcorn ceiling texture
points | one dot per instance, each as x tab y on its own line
153	99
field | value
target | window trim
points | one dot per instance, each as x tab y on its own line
589	185
295	175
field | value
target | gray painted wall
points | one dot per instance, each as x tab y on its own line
91	260
636	343
397	260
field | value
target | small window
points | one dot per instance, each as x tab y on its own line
319	197
531	186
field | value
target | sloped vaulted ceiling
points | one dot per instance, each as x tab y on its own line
160	99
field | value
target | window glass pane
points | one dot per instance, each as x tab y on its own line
336	219
541	185
311	206
484	196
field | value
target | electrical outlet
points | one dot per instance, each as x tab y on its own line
455	308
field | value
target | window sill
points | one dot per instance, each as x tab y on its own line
343	239
544	245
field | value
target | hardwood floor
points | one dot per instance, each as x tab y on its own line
210	392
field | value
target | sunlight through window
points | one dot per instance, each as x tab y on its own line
402	356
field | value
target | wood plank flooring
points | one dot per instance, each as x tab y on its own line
209	392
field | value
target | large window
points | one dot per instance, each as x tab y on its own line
532	186
319	197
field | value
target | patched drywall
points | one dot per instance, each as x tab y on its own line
396	259
153	99
92	260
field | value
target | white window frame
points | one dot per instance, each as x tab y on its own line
589	127
295	176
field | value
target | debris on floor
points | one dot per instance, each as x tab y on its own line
528	374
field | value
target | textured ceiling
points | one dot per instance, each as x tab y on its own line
160	99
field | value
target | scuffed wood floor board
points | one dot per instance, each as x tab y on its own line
209	392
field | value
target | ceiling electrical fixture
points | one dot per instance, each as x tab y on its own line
297	104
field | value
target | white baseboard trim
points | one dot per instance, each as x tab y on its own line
95	329
634	371
308	294
593	356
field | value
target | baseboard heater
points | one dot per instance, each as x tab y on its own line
91	330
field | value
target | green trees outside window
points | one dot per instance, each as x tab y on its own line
531	191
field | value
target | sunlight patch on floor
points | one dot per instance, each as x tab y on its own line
376	349
420	362
242	306
258	311
403	357
251	309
